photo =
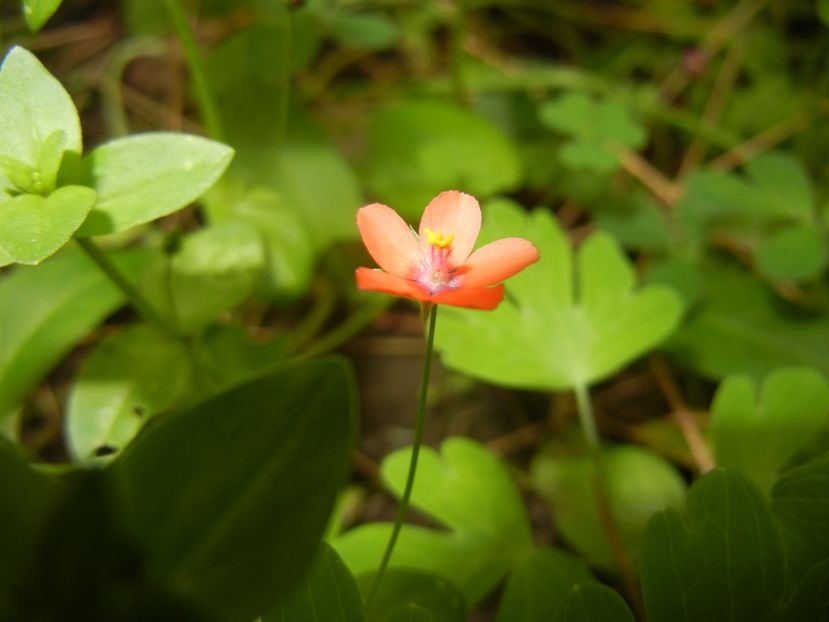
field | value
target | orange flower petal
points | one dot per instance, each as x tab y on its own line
485	298
497	261
452	213
379	281
388	239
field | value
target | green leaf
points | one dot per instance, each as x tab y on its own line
543	335
213	271
795	253
231	497
597	129
147	176
636	223
741	327
26	496
757	435
800	502
639	484
38	12
131	376
823	11
35	227
775	188
810	600
720	560
404	593
48	310
289	248
417	149
292	166
539	584
467	490
33	107
364	31
591	602
328	593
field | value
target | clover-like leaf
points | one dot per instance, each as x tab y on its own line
590	602
545	335
33	227
470	493
596	129
419	148
757	435
720	560
34	107
404	591
147	176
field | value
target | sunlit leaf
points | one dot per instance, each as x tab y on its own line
468	491
147	176
34	227
38	12
55	305
565	321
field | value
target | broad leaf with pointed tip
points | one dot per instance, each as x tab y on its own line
147	176
33	106
758	434
54	306
33	227
546	336
470	493
38	12
722	559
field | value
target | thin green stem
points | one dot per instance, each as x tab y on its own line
602	491
137	300
418	438
204	95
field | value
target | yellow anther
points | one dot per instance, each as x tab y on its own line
435	238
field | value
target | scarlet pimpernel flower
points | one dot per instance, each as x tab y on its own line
437	264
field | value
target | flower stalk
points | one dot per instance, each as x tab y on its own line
420	418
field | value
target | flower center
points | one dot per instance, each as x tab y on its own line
434	272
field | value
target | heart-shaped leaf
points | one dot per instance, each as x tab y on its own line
33	227
795	253
757	435
469	492
147	176
33	107
544	335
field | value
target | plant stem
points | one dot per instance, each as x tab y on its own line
137	300
601	488
204	95
418	437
